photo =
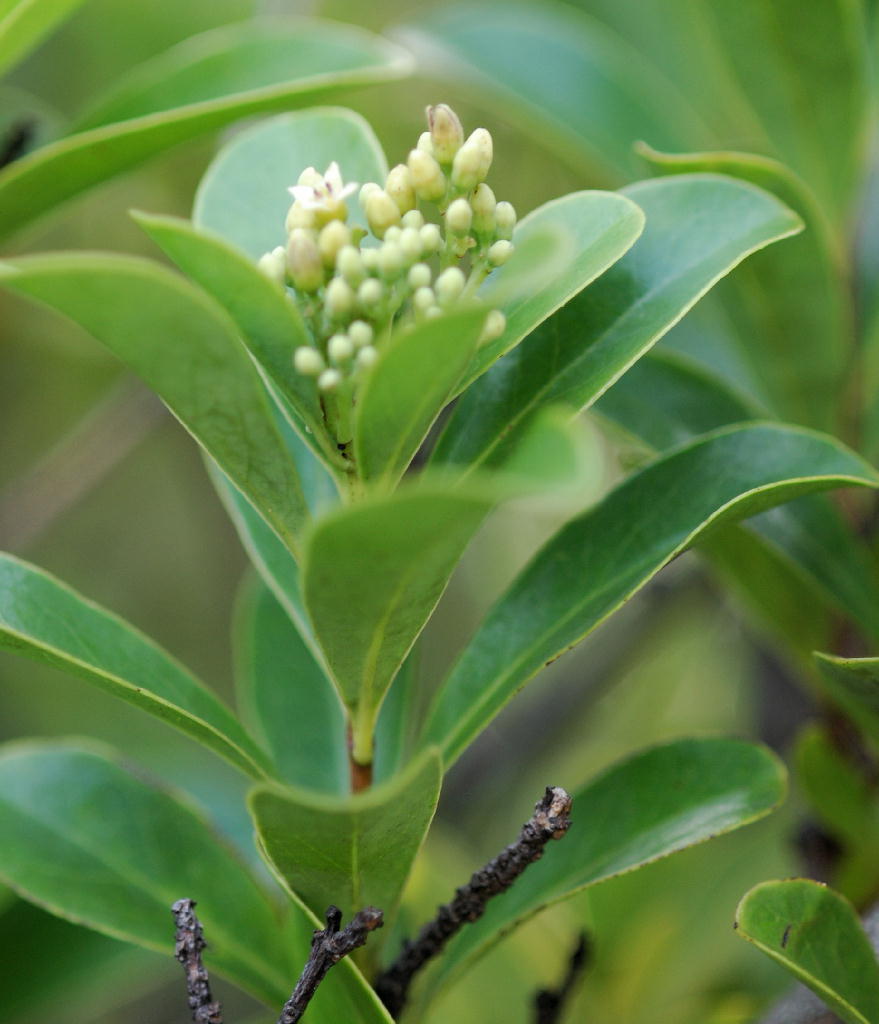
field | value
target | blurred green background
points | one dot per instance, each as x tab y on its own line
102	488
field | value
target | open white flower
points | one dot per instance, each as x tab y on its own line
317	191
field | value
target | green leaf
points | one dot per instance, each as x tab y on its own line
596	562
698	228
853	685
186	349
285	696
88	841
816	935
243	195
412	380
24	23
655	803
590	230
197	87
352	851
42	618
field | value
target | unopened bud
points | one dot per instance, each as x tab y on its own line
381	212
349	263
433	313
500	252
446	133
413	219
483	204
431	238
338	299
340	349
505	220
423	299
472	161
459	217
334	237
299	216
367	190
370	293
329	380
400	188
424	143
367	357
393	233
449	285
370	259
308	361
419	276
410	244
360	333
428	179
495	325
304	261
391	261
274	265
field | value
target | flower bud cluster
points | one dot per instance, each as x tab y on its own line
354	286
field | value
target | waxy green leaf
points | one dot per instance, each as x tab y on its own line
243	195
815	933
698	228
44	619
853	684
24	23
284	695
197	87
353	851
185	347
655	803
598	560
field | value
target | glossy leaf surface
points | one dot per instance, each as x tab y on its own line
44	619
197	87
188	351
598	560
352	851
853	684
815	933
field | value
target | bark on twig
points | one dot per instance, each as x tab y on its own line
188	947
551	820
549	1003
328	946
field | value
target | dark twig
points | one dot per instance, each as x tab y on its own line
189	943
16	141
328	946
551	819
549	1003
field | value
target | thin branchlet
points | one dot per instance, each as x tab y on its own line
188	946
328	946
551	820
550	1003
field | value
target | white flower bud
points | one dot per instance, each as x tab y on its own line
338	299
400	188
472	161
449	285
459	217
446	133
367	190
391	261
423	299
370	260
431	238
505	220
308	361
334	237
500	252
367	357
424	143
360	333
329	380
393	234
304	262
274	265
370	293
340	349
349	263
420	276
410	244
299	216
483	204
428	179
413	219
381	212
495	325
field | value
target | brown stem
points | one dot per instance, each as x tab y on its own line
328	946
549	1003
551	820
361	776
188	946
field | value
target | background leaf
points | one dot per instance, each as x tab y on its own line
23	23
853	685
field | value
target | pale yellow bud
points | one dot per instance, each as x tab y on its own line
420	276
472	161
308	361
381	212
410	244
413	219
400	188
338	299
459	217
495	325
340	349
505	220
304	261
424	143
449	285
329	380
500	252
349	263
370	293
431	238
367	190
428	179
332	239
370	260
446	133
367	357
299	216
274	265
391	261
483	204
423	299
360	333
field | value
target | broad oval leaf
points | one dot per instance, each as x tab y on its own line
24	23
285	696
243	195
598	560
352	851
648	806
185	347
44	619
815	934
698	228
853	684
198	86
